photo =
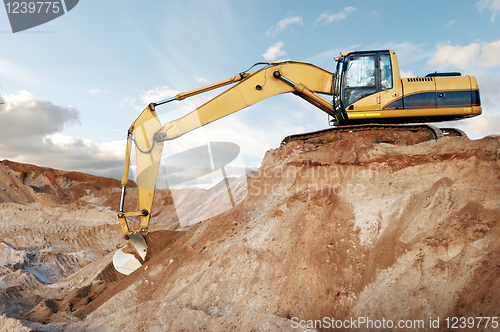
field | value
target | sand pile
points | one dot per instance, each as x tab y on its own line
336	229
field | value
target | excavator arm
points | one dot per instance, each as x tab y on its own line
303	79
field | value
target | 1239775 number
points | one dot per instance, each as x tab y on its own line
33	7
471	322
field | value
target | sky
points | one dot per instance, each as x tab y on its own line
71	87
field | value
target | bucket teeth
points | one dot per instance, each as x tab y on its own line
139	243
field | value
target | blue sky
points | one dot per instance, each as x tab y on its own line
72	87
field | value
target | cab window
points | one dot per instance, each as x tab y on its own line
359	78
361	72
385	72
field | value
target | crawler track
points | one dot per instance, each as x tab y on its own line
453	132
432	131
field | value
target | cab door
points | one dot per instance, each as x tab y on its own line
391	96
361	87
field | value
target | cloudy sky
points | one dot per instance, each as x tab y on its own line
71	88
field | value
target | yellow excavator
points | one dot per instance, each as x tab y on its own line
365	91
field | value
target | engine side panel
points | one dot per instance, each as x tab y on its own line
428	99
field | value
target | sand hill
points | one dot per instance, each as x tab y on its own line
339	229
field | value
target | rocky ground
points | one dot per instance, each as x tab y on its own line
344	227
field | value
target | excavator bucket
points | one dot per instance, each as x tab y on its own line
131	257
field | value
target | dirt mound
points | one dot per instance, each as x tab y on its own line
10	324
338	229
52	224
57	186
12	189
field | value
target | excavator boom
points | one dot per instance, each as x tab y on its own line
148	135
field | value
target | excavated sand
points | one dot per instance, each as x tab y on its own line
343	229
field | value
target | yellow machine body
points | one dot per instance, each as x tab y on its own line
436	97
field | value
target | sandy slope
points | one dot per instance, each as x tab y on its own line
341	229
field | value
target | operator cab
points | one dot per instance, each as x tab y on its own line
361	74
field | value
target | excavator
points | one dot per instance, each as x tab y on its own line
365	92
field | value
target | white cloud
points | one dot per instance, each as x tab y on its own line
406	74
68	153
326	18
147	97
406	52
157	94
25	115
484	55
200	79
490	91
85	147
490	55
18	74
284	24
326	58
450	23
30	132
459	56
490	5
274	51
128	101
480	126
96	91
486	124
